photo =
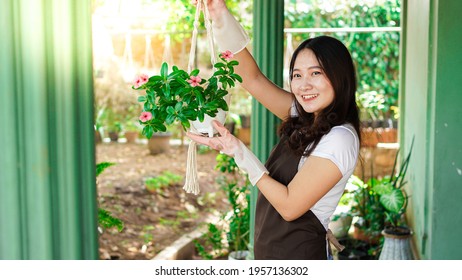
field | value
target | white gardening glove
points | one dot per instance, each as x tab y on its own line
227	32
230	145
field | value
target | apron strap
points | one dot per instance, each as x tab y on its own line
331	238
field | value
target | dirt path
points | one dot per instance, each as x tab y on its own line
152	221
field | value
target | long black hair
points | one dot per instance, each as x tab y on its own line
304	129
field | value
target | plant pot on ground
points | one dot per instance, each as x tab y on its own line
131	136
184	97
131	130
394	199
159	143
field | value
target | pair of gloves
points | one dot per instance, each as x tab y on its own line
229	35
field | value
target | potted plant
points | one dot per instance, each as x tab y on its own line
368	211
394	199
131	126
185	97
131	130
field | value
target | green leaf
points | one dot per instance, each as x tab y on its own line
185	124
200	98
167	90
233	63
147	131
194	72
164	70
160	127
189	114
236	77
155	78
200	116
220	72
106	220
174	74
231	83
170	110
383	188
181	81
100	167
142	98
393	201
178	106
219	65
170	119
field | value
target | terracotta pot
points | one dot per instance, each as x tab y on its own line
360	234
387	135
159	143
131	136
369	137
98	138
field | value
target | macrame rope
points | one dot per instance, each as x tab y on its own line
191	184
192	52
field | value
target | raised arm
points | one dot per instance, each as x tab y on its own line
274	98
229	35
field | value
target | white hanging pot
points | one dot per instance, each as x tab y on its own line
206	127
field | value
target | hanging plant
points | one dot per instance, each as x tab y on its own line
184	97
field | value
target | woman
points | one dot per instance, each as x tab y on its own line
306	173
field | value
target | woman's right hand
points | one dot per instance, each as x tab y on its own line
215	7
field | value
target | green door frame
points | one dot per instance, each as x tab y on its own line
47	165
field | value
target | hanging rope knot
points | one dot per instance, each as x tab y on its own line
191	179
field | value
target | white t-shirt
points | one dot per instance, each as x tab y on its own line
341	146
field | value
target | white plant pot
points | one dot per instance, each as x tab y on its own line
238	255
206	126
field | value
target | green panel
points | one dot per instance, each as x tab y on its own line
447	146
48	192
414	90
268	43
10	202
430	107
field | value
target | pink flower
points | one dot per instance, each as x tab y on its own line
227	55
194	81
140	80
145	116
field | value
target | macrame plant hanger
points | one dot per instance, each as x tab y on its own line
191	179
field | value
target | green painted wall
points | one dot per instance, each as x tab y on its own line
47	163
431	106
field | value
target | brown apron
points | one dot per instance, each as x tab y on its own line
277	239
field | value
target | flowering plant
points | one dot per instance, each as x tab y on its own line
184	97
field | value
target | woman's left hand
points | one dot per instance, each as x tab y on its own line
226	142
230	145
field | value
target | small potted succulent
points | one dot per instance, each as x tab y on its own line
185	97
